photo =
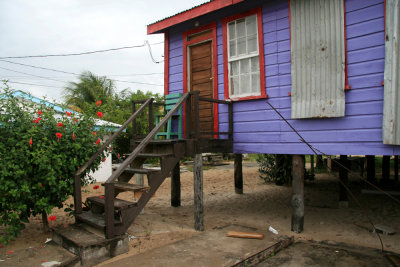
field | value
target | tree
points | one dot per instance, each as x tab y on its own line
40	151
89	90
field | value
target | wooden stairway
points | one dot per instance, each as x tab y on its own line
169	152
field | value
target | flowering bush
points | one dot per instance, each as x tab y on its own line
40	150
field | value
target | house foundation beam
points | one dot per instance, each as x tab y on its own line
176	186
371	169
344	181
298	194
198	193
238	173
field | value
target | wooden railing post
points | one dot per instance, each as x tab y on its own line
77	194
230	114
151	116
188	113
133	121
197	115
109	209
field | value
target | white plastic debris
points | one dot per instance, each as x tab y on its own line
132	237
271	229
47	240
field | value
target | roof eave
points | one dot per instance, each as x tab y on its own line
160	26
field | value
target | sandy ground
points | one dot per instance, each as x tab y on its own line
262	205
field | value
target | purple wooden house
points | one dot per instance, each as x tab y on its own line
331	68
322	64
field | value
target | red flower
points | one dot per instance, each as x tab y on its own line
9	252
101	196
118	155
60	124
104	159
98	141
40	185
68	113
99	103
30	142
75	119
94	133
96	187
111	148
73	136
39	112
59	135
52	218
100	114
37	120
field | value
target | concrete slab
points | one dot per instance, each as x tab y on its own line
91	247
211	248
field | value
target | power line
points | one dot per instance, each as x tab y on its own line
42	85
72	73
83	53
42	77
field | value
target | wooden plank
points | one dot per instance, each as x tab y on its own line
203	75
198	193
176	186
238	173
200	51
396	168
298	194
119	204
245	235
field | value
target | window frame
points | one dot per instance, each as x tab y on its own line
227	60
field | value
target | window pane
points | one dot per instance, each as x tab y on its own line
252	44
241	43
255	83
245	66
255	64
251	25
240	28
234	85
235	68
245	84
232	33
232	48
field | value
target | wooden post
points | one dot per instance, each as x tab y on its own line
198	192
344	178
151	116
176	186
396	168
238	173
371	168
134	121
188	113
319	162
385	169
298	194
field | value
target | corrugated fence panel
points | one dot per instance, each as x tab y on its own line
391	109
318	58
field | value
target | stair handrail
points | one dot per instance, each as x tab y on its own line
109	184
77	179
146	140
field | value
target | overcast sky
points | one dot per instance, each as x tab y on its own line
54	27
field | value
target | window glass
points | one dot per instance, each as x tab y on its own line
243	59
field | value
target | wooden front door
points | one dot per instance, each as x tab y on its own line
201	79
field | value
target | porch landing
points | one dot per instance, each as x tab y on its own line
211	248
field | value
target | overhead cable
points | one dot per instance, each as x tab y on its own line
83	53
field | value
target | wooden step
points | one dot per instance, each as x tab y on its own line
119	204
131	187
95	220
162	142
139	170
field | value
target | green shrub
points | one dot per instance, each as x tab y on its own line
40	150
275	169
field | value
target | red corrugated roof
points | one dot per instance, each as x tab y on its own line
191	13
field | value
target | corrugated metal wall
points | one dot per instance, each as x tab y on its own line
318	58
391	109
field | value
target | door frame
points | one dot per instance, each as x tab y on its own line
212	36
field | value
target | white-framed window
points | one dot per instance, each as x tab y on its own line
243	57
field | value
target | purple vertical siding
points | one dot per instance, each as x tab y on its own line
258	129
175	63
